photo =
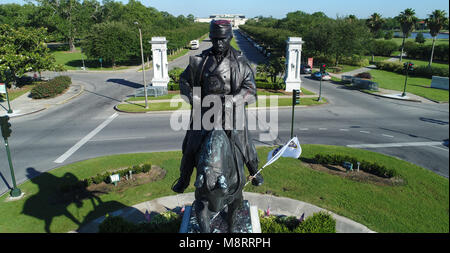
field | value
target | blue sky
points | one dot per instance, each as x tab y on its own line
279	8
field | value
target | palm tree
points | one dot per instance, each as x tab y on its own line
374	23
435	22
407	22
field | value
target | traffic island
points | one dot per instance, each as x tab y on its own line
399	207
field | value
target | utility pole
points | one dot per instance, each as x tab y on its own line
143	66
295	101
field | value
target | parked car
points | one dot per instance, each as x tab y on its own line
317	75
305	69
194	44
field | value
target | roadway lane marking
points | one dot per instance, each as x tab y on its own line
386	135
80	143
120	138
366	132
392	145
440	148
303	129
344	130
322	129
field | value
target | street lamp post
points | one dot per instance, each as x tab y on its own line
143	66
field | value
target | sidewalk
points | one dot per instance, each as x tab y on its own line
25	105
278	206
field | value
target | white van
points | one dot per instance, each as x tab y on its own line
194	44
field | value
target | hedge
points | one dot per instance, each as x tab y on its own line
51	88
415	50
99	178
384	48
169	222
372	168
320	222
419	71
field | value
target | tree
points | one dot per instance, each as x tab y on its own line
65	15
420	38
407	22
374	23
388	35
23	50
349	38
435	22
111	41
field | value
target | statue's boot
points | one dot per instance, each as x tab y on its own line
232	218
186	169
203	216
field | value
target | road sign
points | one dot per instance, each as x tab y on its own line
2	88
100	60
310	62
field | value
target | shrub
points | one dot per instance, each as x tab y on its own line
383	47
320	222
373	168
419	71
421	51
167	222
364	75
420	38
51	88
355	60
173	86
175	73
388	35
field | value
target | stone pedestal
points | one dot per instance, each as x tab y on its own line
160	64
293	61
248	221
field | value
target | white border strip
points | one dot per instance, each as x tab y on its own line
391	145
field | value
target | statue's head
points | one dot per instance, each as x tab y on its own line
220	33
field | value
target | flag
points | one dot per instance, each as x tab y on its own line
291	149
302	218
147	216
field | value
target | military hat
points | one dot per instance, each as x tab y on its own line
220	29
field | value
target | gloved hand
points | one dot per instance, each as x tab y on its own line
257	180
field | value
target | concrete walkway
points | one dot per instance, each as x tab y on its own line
25	105
278	206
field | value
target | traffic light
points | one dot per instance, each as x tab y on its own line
5	126
295	97
408	66
323	67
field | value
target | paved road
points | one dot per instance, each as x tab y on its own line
88	126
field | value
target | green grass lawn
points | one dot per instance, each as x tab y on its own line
425	63
416	85
427	41
13	94
74	61
419	205
234	44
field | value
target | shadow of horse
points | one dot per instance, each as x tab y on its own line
56	194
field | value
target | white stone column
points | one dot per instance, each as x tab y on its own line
160	63
293	61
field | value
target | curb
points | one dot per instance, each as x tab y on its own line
48	106
378	95
76	95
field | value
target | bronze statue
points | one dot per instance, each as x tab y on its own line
218	154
